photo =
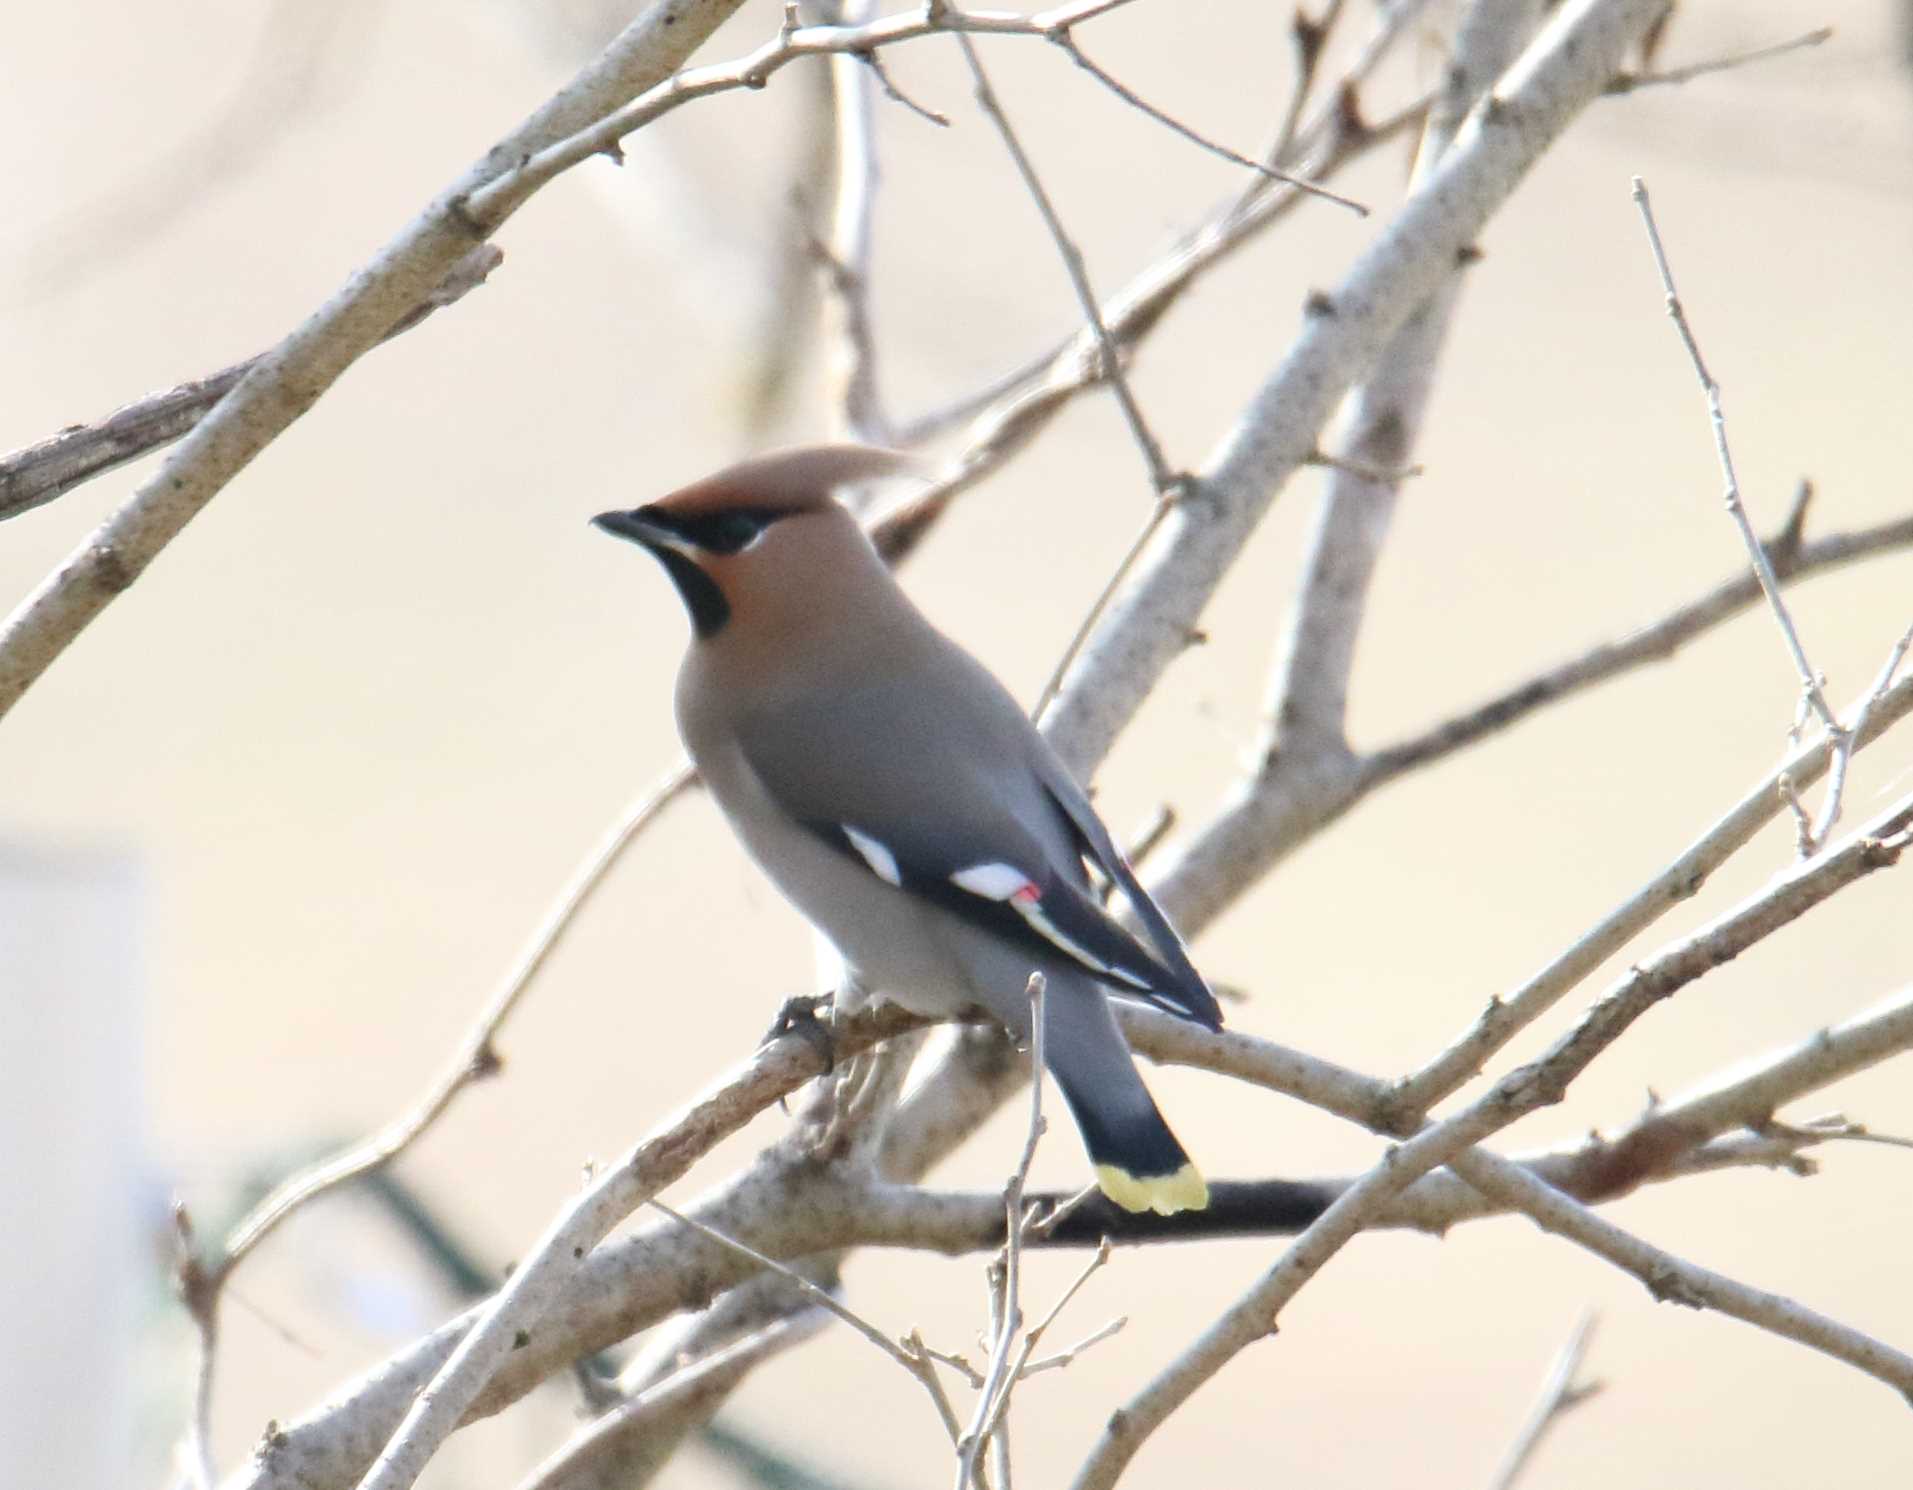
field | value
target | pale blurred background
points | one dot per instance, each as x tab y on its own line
327	763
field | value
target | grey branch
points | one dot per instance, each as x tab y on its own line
1201	141
791	1211
1524	1090
476	1058
1627	82
1161	477
284	383
850	336
579	1460
1792	560
505	1324
1150	624
1710	388
1310	703
36	474
1505	1017
1561	1392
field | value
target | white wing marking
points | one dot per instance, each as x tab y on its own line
992	881
997	881
1032	912
882	862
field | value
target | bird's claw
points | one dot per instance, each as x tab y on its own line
800	1016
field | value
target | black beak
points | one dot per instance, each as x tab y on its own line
637	528
708	607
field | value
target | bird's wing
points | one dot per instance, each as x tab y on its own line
949	811
1198	1003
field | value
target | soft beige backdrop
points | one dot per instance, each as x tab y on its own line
363	718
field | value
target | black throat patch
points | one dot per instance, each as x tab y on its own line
702	598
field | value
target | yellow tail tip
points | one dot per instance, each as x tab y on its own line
1165	1194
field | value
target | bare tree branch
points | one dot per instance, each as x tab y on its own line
629	1284
1627	82
505	1324
1128	95
1161	477
1504	1017
1671	1279
1003	1369
1020	405
575	1463
289	379
1561	1392
1655	642
1527	1088
572	1291
1810	681
849	335
914	1362
1149	625
1310	704
477	1058
36	474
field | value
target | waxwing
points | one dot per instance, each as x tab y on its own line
896	794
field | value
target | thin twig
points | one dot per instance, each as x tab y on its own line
850	335
1561	1393
500	196
476	1057
1036	1331
1506	1016
891	91
1364	470
1627	82
1376	437
1053	684
1068	1356
1524	1090
1014	408
201	1301
635	1414
1128	95
1165	481
36	474
1655	642
290	378
1308	38
1843	746
1763	567
633	1284
957	1363
915	1363
1813	832
999	1376
506	1323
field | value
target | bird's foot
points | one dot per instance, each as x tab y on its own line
806	1016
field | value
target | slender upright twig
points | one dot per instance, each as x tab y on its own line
1161	477
1763	567
1561	1392
999	1377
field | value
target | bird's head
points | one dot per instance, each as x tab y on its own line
754	531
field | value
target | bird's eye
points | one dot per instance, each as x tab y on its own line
731	531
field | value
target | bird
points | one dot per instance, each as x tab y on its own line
898	796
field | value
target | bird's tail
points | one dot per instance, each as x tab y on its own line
1139	1164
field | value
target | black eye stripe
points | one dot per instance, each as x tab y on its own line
724	532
